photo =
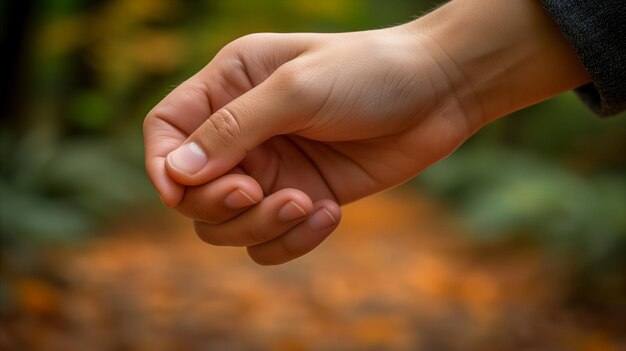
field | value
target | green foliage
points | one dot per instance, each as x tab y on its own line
72	155
91	111
59	191
554	175
505	193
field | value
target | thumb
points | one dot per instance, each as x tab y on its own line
224	139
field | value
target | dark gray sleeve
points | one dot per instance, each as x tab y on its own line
597	31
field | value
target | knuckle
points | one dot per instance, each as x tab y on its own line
242	43
253	38
223	125
146	122
293	79
154	116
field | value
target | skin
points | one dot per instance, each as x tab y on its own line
314	121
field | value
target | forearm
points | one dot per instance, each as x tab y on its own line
499	56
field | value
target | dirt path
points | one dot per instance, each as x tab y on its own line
392	278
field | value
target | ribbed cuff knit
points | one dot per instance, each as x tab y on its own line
597	31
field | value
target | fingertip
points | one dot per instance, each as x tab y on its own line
221	199
188	158
178	175
171	200
332	208
243	191
184	176
170	192
325	218
300	198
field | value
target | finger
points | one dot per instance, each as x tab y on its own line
267	220
221	142
221	199
170	192
236	69
301	239
166	127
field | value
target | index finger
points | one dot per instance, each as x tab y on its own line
167	126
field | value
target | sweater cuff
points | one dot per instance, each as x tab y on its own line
596	31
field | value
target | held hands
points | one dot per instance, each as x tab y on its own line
262	145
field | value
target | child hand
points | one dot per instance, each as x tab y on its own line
315	121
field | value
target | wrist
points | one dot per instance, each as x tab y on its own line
497	56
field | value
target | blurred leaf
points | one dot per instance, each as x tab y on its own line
505	192
91	174
60	36
29	218
91	110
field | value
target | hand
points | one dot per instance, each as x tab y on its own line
315	120
336	116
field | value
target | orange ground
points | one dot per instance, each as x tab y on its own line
392	278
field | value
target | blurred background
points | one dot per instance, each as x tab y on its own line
515	242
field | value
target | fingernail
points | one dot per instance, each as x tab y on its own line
322	219
291	211
188	158
239	199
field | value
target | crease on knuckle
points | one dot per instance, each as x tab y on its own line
224	125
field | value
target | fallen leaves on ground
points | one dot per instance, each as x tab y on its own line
393	277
